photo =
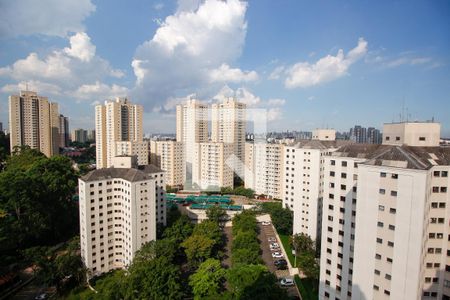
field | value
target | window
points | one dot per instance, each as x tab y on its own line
422	138
382	191
387	138
444	174
377	272
380	224
380	207
397	138
377	256
435	189
392	210
394	193
436	174
443	189
388	277
394	176
382	174
344	164
332	173
343	175
379	241
333	162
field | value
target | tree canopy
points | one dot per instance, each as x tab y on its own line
207	281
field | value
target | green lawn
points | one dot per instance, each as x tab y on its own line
308	288
285	241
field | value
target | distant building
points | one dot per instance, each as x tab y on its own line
168	155
34	121
118	130
192	129
119	209
324	134
79	135
91	135
1	127
64	131
263	168
215	170
363	135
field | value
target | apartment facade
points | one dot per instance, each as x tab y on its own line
34	122
119	121
228	125
168	155
385	232
263	168
303	172
119	208
215	170
79	135
191	129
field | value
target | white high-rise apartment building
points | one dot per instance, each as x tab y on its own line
228	124
215	172
385	232
168	155
34	121
192	129
263	168
117	122
303	167
119	209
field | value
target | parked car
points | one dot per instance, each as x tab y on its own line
281	267
265	222
287	282
271	239
274	248
277	255
274	245
280	262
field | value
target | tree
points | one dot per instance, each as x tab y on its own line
197	248
245	221
246	240
245	256
35	197
211	230
208	279
282	218
154	279
226	190
153	249
253	282
309	266
302	243
180	230
216	214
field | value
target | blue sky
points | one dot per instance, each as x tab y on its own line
309	63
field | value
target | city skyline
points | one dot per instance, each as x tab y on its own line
368	71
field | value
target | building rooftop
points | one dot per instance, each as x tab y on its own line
317	144
129	174
420	158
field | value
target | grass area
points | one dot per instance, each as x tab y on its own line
285	241
308	288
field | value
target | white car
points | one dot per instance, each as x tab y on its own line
265	222
277	255
287	282
274	245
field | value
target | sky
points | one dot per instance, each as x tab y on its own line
310	64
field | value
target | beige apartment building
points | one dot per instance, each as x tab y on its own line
263	168
385	232
119	209
34	122
191	129
303	172
117	122
228	125
215	170
324	134
168	155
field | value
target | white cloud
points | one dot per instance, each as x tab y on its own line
276	74
311	98
81	47
276	102
100	90
326	69
50	89
47	17
412	61
158	6
274	114
70	71
66	66
226	74
192	51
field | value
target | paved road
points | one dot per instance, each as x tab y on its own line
266	231
30	291
228	240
